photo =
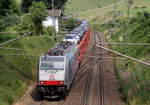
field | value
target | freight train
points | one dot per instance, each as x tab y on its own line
57	67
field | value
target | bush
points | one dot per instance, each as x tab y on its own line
11	20
6	37
50	31
8	7
38	12
69	24
26	23
2	24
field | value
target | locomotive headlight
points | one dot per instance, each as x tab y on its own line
62	82
41	82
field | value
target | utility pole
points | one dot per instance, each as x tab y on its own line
114	17
114	9
130	3
52	4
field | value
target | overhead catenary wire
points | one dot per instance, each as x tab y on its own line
5	43
27	55
6	64
134	59
127	44
6	48
90	56
11	32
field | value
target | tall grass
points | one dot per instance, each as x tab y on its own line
17	72
104	15
77	6
133	77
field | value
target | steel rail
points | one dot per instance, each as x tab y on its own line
101	71
115	52
5	43
90	66
83	67
101	82
87	86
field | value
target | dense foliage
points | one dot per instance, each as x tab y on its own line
38	13
17	72
58	4
69	24
7	7
25	24
2	26
134	79
25	4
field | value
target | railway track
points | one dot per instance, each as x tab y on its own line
88	83
93	62
97	35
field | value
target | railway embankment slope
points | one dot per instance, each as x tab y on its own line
18	67
74	7
133	77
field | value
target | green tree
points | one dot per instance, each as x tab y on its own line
8	7
2	26
38	13
69	24
25	4
26	23
58	4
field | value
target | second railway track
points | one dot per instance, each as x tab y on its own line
93	79
98	39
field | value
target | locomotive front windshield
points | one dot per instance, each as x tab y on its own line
70	36
52	63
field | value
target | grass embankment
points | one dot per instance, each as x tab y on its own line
17	72
133	77
77	6
105	14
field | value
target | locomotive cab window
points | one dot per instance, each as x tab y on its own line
52	64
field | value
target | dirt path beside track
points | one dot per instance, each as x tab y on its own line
112	96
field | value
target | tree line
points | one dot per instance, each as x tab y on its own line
58	4
32	12
9	6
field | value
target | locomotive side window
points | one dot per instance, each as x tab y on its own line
52	64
